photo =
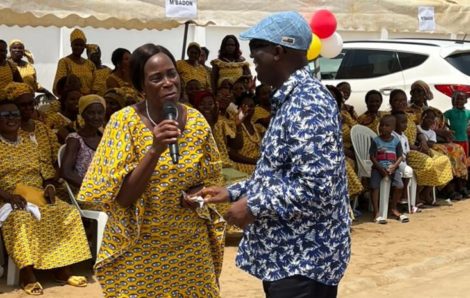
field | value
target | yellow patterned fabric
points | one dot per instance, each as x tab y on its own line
260	113
231	70
347	123
371	120
28	73
411	131
56	121
118	80
354	183
77	34
58	239
430	171
457	157
6	73
84	71
15	90
45	140
189	72
99	85
251	147
156	247
222	129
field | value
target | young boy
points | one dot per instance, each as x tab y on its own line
386	155
457	118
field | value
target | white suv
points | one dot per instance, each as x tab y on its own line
385	65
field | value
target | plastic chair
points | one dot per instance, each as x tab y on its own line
361	137
100	217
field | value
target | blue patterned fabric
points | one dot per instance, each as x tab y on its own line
298	192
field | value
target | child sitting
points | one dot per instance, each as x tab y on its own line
386	155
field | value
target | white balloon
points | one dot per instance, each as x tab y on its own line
331	46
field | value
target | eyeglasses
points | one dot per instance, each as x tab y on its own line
10	114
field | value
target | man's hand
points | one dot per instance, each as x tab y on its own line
214	194
239	214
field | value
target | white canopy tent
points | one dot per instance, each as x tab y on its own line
452	16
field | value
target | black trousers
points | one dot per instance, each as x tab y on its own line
298	287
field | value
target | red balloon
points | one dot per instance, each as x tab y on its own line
323	23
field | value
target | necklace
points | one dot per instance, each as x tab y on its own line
150	118
8	142
255	138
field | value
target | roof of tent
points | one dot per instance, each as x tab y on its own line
365	15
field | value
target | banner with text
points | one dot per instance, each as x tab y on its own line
181	9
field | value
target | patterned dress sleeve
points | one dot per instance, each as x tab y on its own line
113	160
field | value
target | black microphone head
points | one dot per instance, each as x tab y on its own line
170	110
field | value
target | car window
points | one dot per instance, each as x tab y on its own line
461	62
409	60
329	67
362	64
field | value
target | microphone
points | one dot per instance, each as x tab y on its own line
170	112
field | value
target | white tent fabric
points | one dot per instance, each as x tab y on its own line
452	16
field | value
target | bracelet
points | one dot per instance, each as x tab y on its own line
50	185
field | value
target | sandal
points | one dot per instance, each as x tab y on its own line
75	281
403	218
380	220
34	289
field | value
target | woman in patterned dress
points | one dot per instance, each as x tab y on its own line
262	114
156	243
371	117
102	72
26	68
120	76
83	68
81	145
246	154
230	63
58	239
38	132
8	71
190	69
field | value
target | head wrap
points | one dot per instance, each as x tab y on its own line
198	96
425	87
129	94
27	53
14	90
88	100
77	34
91	49
119	97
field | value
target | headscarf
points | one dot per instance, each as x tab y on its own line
27	53
88	100
425	87
14	90
77	34
198	96
117	96
91	49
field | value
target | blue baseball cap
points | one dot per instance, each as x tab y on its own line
288	29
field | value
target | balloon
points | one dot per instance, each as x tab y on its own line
332	46
314	48
323	23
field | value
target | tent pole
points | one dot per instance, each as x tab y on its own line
186	26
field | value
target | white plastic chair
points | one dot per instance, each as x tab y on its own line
100	217
361	137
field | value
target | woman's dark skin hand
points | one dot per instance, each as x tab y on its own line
186	197
165	133
17	202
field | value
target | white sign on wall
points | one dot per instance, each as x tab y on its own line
426	17
181	9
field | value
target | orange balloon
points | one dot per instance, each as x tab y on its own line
314	48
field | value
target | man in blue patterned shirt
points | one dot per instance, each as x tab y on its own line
294	209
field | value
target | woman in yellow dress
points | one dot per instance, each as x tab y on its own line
102	72
55	241
8	70
371	117
190	69
230	63
26	68
262	114
83	68
41	135
156	242
120	76
246	152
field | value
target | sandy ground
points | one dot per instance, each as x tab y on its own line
428	257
